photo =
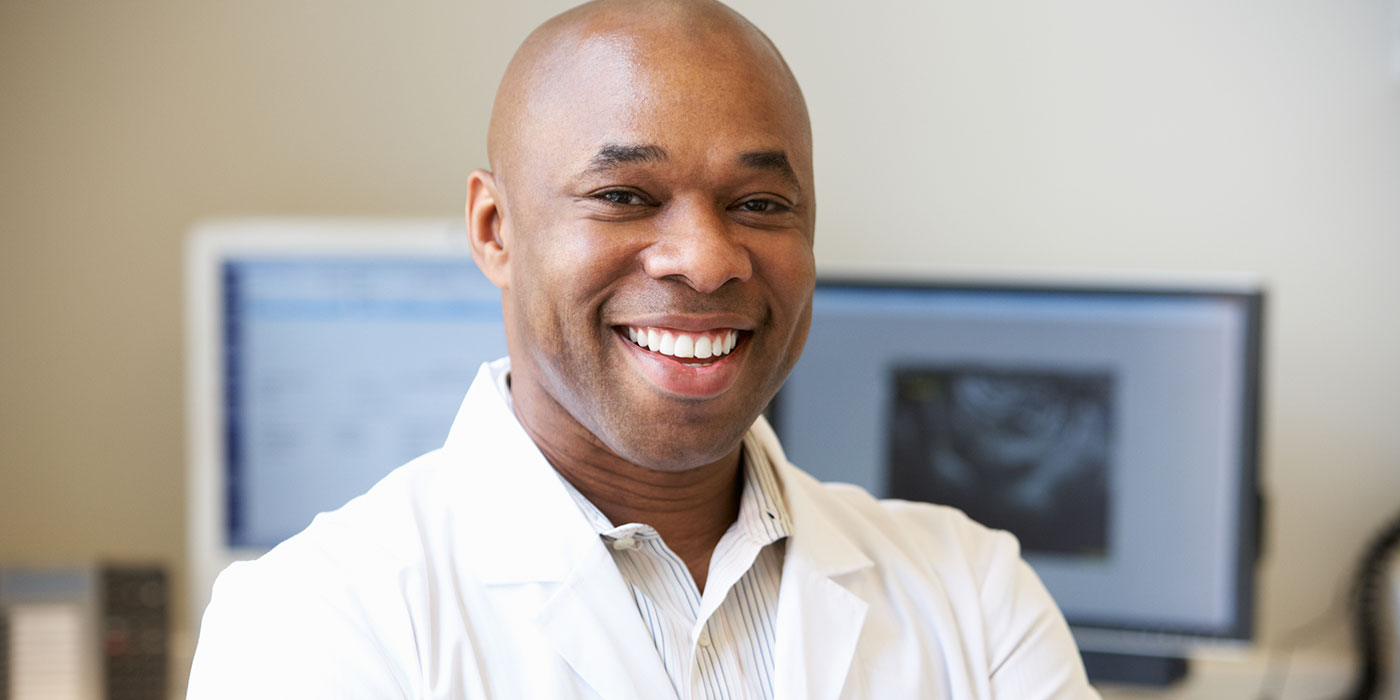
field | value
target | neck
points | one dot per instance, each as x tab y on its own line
691	509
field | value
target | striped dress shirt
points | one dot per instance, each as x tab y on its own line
719	644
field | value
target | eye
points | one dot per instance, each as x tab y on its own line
620	197
761	205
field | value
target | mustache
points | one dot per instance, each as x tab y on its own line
679	298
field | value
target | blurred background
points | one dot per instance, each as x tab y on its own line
1007	136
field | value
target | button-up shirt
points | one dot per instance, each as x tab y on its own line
719	644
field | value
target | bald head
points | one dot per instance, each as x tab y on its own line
607	53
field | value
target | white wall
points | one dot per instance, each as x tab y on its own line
1176	134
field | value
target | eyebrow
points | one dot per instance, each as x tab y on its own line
613	155
772	161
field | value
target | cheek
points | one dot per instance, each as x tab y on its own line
564	275
588	263
587	260
789	269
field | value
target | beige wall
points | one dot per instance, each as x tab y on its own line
1196	134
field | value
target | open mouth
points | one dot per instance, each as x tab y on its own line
703	347
688	364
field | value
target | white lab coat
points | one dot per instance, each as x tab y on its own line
470	573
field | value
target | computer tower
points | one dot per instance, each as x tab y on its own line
85	633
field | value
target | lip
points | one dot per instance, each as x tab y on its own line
672	376
689	323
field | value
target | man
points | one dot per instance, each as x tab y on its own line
610	518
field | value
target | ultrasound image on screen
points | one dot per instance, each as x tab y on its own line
1024	450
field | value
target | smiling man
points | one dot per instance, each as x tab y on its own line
610	517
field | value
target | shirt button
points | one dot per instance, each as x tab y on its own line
704	639
628	542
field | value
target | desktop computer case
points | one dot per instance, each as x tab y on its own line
86	633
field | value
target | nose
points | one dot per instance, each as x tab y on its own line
696	246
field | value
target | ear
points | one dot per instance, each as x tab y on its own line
485	224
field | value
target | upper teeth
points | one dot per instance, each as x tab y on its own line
703	345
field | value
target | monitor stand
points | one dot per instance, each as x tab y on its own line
1134	669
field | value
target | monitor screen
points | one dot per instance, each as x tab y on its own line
1112	430
337	370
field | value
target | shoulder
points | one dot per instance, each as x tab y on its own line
391	533
939	551
939	538
342	596
935	571
936	537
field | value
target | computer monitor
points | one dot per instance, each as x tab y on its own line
1113	427
322	354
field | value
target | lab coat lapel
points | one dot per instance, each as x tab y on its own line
593	623
819	619
819	622
587	615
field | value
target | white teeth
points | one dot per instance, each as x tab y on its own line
685	346
701	346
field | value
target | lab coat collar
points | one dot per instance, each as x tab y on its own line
524	528
815	538
819	616
511	503
525	494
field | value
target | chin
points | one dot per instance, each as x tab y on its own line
679	448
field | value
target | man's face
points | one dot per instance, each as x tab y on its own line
660	206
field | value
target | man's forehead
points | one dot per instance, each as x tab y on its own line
587	126
645	81
625	73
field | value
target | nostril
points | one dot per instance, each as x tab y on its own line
704	261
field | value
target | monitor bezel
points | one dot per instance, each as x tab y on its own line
209	247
